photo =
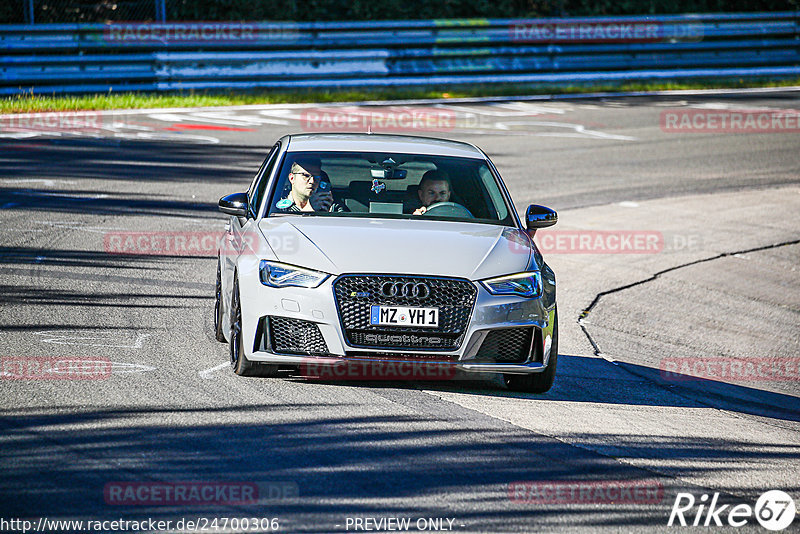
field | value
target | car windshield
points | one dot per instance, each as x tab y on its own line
388	185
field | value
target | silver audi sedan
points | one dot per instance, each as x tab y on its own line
350	249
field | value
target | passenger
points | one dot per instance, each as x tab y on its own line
307	190
434	187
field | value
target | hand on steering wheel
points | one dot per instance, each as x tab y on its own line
448	209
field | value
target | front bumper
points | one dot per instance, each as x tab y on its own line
318	307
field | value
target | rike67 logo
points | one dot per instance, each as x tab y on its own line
774	510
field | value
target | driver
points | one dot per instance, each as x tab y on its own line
434	187
306	177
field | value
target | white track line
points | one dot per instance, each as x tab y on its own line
206	374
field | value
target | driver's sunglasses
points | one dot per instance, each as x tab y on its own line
305	176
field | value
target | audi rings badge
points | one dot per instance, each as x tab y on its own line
409	290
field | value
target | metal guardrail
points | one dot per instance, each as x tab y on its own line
76	58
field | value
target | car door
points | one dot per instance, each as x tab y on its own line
240	231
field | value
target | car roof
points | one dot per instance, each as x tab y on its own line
403	144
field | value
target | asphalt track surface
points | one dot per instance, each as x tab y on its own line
326	454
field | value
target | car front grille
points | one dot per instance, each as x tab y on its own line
454	298
294	336
510	345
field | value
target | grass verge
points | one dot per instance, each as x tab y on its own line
26	102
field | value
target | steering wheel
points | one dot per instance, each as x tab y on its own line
448	209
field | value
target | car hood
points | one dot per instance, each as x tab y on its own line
340	245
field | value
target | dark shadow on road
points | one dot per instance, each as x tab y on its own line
57	464
97	259
76	258
595	380
90	202
33	295
136	161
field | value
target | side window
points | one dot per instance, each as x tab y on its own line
256	192
495	195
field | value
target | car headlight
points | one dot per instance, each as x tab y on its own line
274	274
527	284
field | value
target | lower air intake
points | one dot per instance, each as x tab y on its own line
510	345
295	336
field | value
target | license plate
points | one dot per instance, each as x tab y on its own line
402	316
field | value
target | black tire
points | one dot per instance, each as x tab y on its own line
239	362
538	382
218	333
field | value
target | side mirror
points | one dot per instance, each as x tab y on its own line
235	204
539	217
